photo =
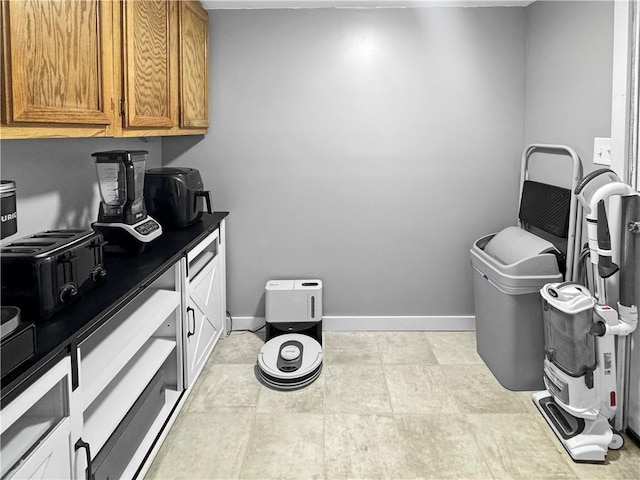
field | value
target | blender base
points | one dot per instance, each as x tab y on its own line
124	238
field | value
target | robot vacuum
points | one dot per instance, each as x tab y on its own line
289	362
291	358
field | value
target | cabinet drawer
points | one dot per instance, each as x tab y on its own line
203	253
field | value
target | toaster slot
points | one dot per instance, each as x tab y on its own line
32	244
58	234
20	250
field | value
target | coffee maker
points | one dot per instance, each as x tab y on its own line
123	219
17	336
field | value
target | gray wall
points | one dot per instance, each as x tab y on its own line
56	179
369	148
569	80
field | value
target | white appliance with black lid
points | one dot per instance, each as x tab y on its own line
291	357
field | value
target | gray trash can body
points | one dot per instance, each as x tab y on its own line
508	308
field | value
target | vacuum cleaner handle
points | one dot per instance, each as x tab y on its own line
606	267
590	177
566	284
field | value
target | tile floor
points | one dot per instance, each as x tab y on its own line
399	405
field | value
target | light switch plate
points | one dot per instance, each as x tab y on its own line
602	151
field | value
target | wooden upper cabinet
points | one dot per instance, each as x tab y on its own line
56	62
149	58
80	68
194	69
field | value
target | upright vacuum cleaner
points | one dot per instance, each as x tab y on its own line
582	389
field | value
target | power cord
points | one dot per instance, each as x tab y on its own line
243	331
584	262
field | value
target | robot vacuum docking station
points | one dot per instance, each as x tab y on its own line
291	357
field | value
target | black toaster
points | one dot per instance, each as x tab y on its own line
45	272
172	195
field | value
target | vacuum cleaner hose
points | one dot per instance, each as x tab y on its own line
606	267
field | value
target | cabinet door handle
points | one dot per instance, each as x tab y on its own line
87	450
193	315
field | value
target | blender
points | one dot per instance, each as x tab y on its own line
123	219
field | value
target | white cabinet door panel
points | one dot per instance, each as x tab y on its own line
204	316
35	429
52	458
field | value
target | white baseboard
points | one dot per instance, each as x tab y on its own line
416	323
376	323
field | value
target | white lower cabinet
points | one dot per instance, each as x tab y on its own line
133	372
205	302
36	438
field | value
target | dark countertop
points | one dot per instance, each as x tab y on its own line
127	276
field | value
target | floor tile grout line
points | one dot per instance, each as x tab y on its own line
384	376
246	446
324	443
322	377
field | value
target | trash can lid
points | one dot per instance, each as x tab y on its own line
514	244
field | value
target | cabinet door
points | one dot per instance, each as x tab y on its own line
149	63
36	431
56	65
52	458
194	65
205	316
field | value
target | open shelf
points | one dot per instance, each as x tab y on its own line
110	348
105	413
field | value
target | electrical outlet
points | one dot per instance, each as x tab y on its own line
602	151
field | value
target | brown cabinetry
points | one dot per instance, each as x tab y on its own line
194	74
56	67
148	55
104	68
